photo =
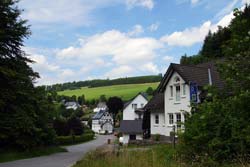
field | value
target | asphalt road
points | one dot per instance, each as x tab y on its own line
65	159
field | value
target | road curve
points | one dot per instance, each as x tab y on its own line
65	159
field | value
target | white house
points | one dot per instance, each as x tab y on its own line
72	105
131	125
100	106
181	85
102	122
130	108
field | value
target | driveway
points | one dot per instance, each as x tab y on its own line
65	159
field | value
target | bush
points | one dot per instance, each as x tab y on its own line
66	140
157	137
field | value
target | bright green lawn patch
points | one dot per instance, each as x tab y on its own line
126	92
11	155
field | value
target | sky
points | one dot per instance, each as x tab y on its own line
76	40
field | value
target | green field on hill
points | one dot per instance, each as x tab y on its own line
126	92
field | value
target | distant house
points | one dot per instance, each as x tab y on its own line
100	106
102	122
131	125
180	86
72	105
131	130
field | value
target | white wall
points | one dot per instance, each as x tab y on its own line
129	112
158	128
126	138
173	106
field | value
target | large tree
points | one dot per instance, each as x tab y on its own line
24	120
115	104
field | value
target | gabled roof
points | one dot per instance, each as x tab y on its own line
101	105
140	93
131	126
156	104
193	73
99	114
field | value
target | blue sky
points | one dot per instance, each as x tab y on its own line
76	40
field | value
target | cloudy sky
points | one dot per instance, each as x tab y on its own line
76	40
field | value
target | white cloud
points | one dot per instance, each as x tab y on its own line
193	35
122	48
121	71
137	30
150	67
153	27
194	1
143	3
168	58
245	2
188	37
227	9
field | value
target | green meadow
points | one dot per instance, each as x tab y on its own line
126	91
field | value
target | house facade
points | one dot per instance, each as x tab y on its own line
102	122
181	85
100	106
131	125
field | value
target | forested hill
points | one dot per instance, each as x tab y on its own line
105	82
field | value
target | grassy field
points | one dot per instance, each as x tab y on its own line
126	92
11	155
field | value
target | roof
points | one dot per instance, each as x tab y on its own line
193	73
99	114
140	93
71	103
156	104
131	126
101	105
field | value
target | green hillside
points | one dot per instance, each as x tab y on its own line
126	91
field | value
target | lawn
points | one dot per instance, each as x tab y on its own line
126	92
11	155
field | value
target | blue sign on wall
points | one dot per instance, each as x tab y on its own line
193	92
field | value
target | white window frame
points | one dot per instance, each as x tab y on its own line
134	106
171	91
184	89
178	95
178	120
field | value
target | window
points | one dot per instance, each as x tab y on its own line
142	105
171	91
171	119
184	89
177	79
140	116
156	119
178	120
177	88
134	106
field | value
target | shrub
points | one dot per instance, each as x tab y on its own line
66	140
157	137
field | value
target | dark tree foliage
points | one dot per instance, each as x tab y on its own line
75	126
103	98
23	108
219	128
150	91
115	104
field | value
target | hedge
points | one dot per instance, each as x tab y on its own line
67	140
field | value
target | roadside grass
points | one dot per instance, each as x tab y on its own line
11	155
152	156
158	156
126	91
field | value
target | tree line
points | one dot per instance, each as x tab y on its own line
104	82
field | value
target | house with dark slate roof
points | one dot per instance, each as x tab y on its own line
181	85
131	125
102	122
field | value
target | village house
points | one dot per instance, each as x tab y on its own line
100	106
72	105
181	85
131	125
102	122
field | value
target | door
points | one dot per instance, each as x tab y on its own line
132	137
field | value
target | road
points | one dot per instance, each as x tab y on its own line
65	159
